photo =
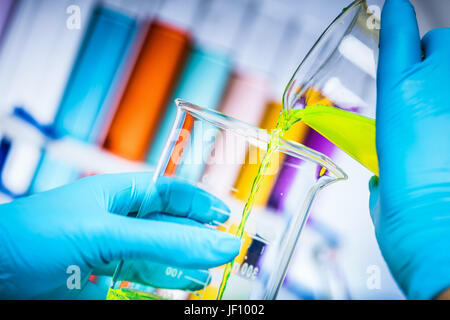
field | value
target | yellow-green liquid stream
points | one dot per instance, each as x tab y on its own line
352	133
130	294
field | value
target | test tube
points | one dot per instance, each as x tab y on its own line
153	78
88	87
99	61
207	72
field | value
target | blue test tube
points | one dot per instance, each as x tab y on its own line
101	55
102	52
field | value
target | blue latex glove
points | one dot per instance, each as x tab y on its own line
83	224
410	203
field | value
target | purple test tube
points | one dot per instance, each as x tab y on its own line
286	177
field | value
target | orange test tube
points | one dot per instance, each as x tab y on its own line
157	67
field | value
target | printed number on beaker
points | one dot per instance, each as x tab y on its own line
246	270
173	272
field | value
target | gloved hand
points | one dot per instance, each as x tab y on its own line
83	224
410	203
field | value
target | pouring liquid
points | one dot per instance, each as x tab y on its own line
352	133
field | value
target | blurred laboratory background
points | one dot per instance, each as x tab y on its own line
88	87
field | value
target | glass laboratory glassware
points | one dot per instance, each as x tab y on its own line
341	65
339	72
269	238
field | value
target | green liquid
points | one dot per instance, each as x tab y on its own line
129	294
352	133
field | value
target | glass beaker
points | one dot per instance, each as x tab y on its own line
339	72
342	64
269	237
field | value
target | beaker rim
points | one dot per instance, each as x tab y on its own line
356	4
262	136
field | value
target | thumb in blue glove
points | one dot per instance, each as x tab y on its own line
84	224
410	204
